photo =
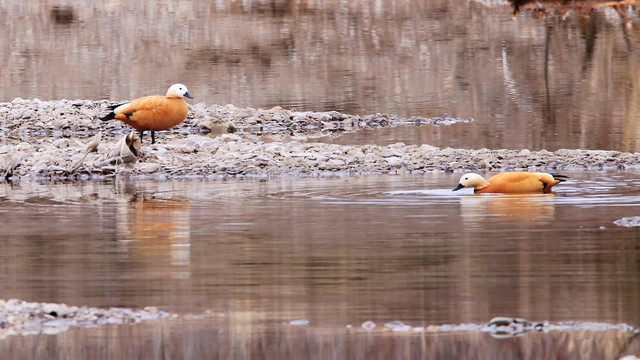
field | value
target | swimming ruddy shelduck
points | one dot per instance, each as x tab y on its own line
153	113
511	182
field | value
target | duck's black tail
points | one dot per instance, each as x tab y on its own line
559	177
111	115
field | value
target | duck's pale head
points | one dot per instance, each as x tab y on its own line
179	91
471	180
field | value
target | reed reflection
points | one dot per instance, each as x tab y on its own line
201	338
563	82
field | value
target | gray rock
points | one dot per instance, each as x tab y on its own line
394	161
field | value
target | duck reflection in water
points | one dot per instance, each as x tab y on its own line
157	230
507	208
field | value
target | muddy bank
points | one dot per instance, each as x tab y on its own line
65	139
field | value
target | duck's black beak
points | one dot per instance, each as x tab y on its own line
460	186
188	95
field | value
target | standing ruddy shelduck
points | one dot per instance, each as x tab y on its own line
511	182
153	113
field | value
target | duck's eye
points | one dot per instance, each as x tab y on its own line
467	178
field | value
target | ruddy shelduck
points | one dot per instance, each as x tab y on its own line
511	182
153	113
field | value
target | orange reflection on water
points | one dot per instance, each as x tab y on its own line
159	229
507	208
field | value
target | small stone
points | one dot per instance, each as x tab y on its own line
185	148
332	164
428	148
61	143
23	146
388	152
368	325
395	325
230	137
60	124
147	168
394	161
301	322
524	153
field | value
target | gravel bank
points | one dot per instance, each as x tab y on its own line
18	317
65	140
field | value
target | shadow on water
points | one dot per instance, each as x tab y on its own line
237	261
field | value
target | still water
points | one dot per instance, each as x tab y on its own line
238	260
569	80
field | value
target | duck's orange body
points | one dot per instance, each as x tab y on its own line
154	113
511	182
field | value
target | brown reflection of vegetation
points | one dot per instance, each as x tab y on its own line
565	82
63	15
584	7
236	336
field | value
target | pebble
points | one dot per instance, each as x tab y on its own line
394	161
147	168
300	322
368	325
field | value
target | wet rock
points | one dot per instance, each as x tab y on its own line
631	221
368	325
301	322
398	326
507	326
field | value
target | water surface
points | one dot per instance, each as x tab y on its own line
238	260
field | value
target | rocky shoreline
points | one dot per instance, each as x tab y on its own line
18	317
65	140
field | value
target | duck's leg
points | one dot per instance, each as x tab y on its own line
153	137
141	132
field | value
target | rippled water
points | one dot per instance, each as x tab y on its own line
239	260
